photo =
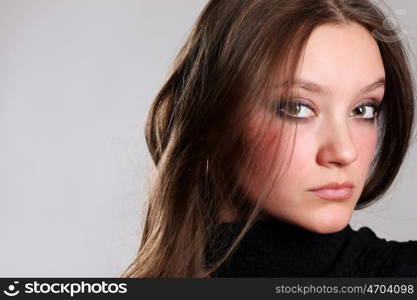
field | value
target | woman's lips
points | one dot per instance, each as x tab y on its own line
334	194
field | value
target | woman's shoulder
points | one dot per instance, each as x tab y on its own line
380	257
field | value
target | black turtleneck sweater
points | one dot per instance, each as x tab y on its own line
273	248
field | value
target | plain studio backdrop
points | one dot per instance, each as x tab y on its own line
76	80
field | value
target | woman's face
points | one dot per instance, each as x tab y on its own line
334	141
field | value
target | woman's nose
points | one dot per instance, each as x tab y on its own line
336	145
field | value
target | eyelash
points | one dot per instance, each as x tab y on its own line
282	104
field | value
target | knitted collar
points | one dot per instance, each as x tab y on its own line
273	248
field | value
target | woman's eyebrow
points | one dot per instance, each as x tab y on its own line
319	89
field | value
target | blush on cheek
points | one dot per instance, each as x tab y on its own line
262	140
366	146
305	145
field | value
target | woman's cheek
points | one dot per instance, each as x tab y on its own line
305	148
366	142
268	157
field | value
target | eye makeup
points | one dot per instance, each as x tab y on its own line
290	108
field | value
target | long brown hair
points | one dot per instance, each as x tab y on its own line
236	51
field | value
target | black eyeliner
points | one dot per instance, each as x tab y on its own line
287	103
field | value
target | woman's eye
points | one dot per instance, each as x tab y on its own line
367	111
294	109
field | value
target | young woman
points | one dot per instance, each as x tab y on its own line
279	118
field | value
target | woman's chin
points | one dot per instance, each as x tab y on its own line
323	222
331	222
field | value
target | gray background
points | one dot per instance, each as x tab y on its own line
76	80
